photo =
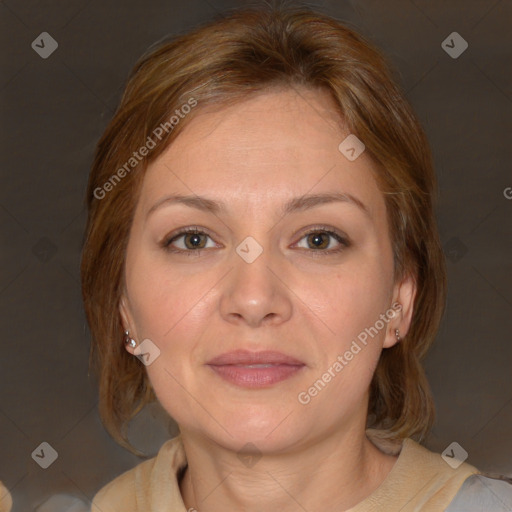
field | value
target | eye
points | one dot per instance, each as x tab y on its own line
322	240
193	241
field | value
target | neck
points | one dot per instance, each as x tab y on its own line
334	473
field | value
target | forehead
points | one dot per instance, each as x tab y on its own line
271	146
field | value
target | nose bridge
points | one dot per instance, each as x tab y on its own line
251	274
254	292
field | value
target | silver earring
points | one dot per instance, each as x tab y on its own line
129	341
397	334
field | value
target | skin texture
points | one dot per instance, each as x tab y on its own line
254	157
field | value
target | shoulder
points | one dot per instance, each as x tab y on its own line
438	478
121	493
130	491
460	487
483	492
420	479
5	499
418	463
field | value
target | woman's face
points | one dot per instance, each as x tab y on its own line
295	259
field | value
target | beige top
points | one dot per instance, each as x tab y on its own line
5	499
419	480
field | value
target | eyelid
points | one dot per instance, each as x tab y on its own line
341	237
178	233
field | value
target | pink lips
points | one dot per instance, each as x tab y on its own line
255	369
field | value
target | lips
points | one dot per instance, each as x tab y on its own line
247	358
255	369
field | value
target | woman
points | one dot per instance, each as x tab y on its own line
262	257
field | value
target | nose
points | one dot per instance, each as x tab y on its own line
255	293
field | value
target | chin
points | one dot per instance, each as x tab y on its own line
264	429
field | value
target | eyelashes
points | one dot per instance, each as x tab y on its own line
197	234
313	235
318	241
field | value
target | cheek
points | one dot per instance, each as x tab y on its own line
349	353
163	299
352	298
172	310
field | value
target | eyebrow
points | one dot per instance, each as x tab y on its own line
295	204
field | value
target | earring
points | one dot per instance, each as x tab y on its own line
129	341
397	334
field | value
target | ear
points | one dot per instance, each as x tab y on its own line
127	320
404	294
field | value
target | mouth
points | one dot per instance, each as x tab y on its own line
255	369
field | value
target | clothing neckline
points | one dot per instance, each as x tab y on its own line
416	470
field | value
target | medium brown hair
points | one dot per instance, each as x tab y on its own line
223	62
